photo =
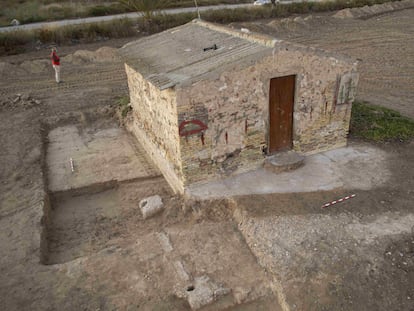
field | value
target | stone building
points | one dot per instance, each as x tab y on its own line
210	101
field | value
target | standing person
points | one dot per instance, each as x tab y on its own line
56	64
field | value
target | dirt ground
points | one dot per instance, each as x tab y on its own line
383	44
92	250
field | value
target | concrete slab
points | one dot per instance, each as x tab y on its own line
98	157
355	167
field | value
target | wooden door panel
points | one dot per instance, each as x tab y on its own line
281	98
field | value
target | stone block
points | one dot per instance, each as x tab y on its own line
151	206
204	292
284	161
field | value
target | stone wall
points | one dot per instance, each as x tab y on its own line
230	111
155	126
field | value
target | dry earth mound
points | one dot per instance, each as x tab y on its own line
373	10
80	57
102	55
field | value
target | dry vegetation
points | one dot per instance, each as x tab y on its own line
19	41
380	124
30	11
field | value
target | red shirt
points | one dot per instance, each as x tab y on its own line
55	59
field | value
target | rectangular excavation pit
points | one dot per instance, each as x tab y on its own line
85	221
97	156
108	175
80	225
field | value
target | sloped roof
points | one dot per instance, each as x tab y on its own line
178	55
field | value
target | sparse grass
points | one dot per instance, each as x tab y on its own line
37	10
162	22
29	11
101	10
15	42
380	124
123	105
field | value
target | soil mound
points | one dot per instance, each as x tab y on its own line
102	55
345	13
35	66
376	9
7	69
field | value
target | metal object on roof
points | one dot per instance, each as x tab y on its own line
179	55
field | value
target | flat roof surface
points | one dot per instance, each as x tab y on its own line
182	54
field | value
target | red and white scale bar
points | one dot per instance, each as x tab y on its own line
339	201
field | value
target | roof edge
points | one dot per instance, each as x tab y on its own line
272	42
255	37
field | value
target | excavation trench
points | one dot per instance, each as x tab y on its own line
91	177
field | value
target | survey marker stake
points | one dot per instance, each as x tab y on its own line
71	165
339	200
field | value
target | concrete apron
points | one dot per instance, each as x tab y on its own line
355	167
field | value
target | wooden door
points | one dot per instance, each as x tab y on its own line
281	98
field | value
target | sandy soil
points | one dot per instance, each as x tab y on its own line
261	252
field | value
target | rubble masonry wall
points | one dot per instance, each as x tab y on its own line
234	108
155	126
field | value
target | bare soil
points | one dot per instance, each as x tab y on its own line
97	252
383	44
